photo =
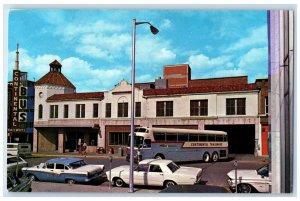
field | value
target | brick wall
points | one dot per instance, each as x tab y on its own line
177	75
219	81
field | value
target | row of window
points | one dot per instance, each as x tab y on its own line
188	137
234	106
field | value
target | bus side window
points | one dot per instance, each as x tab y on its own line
193	137
219	138
147	143
211	138
160	136
183	137
202	138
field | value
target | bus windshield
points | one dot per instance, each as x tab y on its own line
138	141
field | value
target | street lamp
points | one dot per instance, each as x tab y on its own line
154	31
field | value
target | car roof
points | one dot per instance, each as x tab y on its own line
155	161
65	161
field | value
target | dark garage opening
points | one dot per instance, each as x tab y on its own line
241	138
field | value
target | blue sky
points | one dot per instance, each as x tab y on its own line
94	46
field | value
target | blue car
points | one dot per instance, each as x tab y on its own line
65	170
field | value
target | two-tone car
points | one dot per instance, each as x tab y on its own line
250	181
155	172
69	170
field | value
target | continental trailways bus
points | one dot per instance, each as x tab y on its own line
179	144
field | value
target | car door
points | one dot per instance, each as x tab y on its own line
46	174
59	173
155	176
140	174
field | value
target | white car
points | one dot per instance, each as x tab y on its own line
249	181
15	165
155	172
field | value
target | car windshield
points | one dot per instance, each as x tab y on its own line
77	164
264	171
173	167
138	141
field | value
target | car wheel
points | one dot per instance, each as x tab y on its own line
215	157
159	156
244	188
71	181
118	182
169	183
32	177
206	157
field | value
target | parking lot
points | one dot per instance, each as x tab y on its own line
213	173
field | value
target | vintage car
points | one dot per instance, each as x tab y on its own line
14	184
250	181
15	165
70	170
155	172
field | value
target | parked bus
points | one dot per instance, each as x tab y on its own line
24	149
179	144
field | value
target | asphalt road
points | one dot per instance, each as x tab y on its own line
213	174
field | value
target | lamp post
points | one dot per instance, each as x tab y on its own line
154	31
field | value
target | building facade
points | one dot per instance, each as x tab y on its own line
20	107
102	119
281	94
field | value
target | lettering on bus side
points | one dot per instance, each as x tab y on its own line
204	144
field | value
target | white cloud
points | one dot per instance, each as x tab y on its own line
153	50
165	24
80	72
145	78
202	61
254	59
256	37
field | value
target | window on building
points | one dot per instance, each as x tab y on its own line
53	111
118	138
40	111
236	106
164	108
122	109
138	109
66	111
95	110
266	105
108	110
80	110
198	107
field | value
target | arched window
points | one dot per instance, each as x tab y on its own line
40	111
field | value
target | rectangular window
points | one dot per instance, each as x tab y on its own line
198	107
108	110
164	108
53	111
138	109
160	136
171	137
183	137
236	106
266	105
95	110
193	137
80	110
122	109
118	138
66	111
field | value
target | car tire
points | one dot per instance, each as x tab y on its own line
70	181
118	182
169	183
215	157
206	157
159	156
244	188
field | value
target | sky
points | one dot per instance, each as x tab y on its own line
95	46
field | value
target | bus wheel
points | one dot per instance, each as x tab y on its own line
215	157
206	157
159	156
